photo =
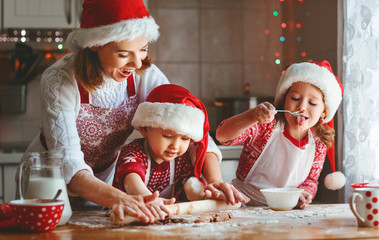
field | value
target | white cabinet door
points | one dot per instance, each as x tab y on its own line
1	12
228	170
10	182
41	13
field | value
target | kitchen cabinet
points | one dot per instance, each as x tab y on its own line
1	13
8	167
10	186
41	13
229	164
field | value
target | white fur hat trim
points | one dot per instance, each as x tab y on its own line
316	75
126	29
182	119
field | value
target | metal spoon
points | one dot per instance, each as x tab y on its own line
295	114
56	195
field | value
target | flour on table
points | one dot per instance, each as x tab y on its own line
244	220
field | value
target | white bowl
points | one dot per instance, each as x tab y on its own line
282	199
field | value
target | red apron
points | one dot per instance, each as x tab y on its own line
103	131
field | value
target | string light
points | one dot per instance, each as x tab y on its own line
51	38
291	32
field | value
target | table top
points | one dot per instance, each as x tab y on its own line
318	221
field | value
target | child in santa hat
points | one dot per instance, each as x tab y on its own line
170	120
284	150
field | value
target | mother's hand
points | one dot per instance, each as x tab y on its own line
225	191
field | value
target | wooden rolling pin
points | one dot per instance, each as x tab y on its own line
185	208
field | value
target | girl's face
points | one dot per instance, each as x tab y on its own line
165	145
120	59
304	97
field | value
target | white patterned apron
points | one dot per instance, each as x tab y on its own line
281	164
168	192
102	131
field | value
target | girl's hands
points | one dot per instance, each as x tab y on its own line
264	112
144	208
304	200
226	192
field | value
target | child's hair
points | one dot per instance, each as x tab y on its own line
325	133
88	71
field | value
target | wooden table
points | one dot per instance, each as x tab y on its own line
331	221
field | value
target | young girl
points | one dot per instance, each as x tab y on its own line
282	150
169	120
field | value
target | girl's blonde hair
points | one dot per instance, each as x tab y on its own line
88	70
323	131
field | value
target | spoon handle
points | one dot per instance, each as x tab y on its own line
283	111
56	195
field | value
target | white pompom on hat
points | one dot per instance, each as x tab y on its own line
335	180
320	75
173	107
105	21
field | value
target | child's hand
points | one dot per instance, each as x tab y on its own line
226	192
157	207
137	206
265	112
304	200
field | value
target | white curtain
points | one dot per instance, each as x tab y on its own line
361	96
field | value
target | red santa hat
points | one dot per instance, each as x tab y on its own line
319	74
105	21
173	107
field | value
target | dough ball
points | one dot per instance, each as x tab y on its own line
334	181
194	189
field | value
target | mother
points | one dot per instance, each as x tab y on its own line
90	96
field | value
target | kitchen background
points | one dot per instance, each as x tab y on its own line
230	53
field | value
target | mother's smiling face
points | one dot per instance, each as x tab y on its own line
120	59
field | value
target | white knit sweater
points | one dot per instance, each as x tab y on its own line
60	104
